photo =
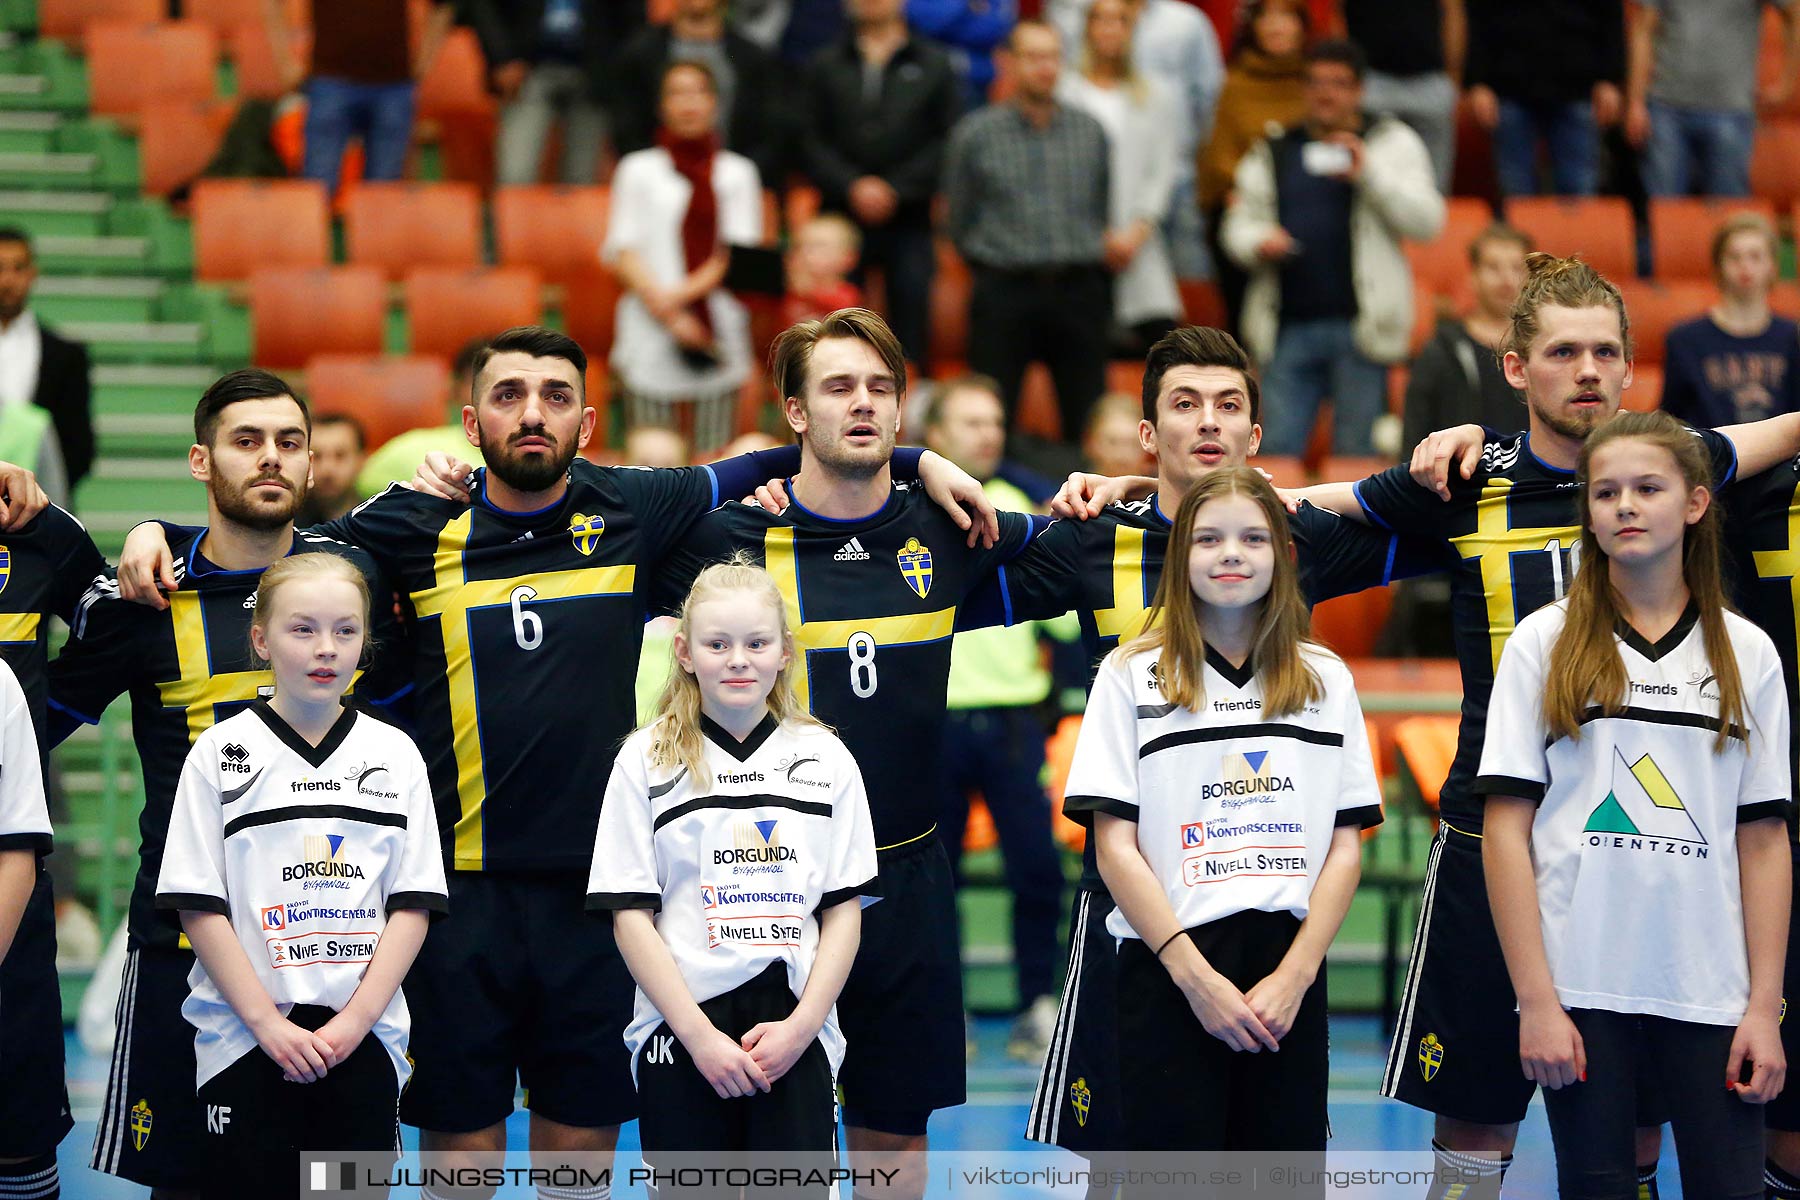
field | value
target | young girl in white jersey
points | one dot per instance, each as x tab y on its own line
1637	782
303	857
1225	768
735	853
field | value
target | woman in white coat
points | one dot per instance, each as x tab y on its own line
682	344
1143	127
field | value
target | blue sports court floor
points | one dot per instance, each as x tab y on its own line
1000	1091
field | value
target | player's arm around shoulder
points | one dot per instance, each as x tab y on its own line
24	816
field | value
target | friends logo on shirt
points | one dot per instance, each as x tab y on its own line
1642	813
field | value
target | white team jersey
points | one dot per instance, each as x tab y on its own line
738	872
1635	838
1234	812
24	817
306	849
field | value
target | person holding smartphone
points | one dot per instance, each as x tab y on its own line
1337	189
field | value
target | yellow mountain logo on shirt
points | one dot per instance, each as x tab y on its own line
1643	803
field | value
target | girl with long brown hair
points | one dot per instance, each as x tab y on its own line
735	853
1637	788
1224	767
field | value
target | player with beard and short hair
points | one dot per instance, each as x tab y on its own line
527	608
1510	521
186	668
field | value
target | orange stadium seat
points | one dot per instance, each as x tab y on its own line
131	65
950	289
1656	308
1681	233
446	307
176	139
556	231
227	16
386	395
1645	392
457	80
253	60
398	226
1285	469
1351	624
1784	298
241	225
590	305
1348	468
1598	228
69	19
1441	266
1426	746
1771	61
296	313
1775	162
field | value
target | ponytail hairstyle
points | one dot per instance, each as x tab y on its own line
1175	627
1566	283
1586	670
296	568
678	740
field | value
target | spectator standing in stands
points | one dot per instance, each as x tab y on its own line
1111	445
1415	50
820	257
1265	86
46	398
1738	362
1318	216
338	445
811	26
971	30
397	458
1690	91
363	81
549	61
762	21
1546	73
1143	129
879	107
1027	185
682	348
752	118
1456	379
1175	44
993	736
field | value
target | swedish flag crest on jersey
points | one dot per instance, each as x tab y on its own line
1431	1056
5	566
915	566
585	531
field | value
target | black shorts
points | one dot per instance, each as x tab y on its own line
1783	1112
257	1123
150	1126
34	1102
519	986
1190	1091
902	1008
1076	1105
682	1114
1456	1043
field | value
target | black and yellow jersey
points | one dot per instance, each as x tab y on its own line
1108	567
185	669
872	604
1107	570
1513	532
44	569
525	634
1762	542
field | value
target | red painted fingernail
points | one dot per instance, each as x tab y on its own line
1584	1077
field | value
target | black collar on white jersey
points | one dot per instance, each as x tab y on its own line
314	755
1237	677
723	739
1665	643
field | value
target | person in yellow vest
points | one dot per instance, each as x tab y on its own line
994	735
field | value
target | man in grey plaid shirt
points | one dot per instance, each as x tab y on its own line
1026	182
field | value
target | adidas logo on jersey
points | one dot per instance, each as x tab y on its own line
851	551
